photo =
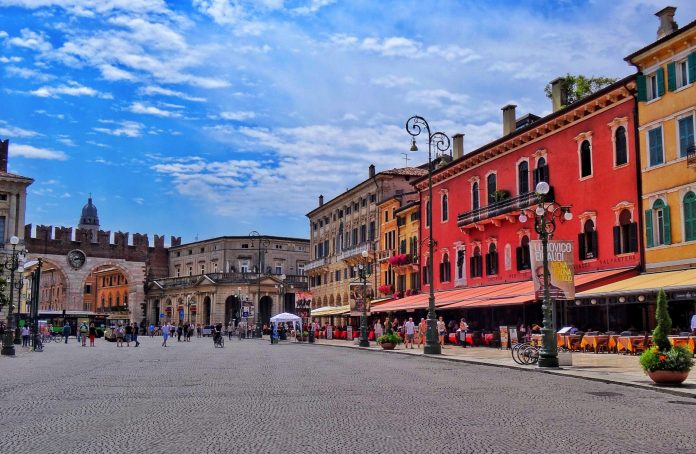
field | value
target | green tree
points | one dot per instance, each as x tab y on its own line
664	323
577	87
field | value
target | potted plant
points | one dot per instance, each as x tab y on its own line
389	340
499	195
302	335
385	289
663	363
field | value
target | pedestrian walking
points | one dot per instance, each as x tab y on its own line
25	336
66	331
463	328
92	334
378	329
441	331
129	334
422	331
178	333
83	333
152	330
189	332
410	331
135	334
120	333
198	330
165	334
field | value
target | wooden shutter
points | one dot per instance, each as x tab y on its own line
691	63
595	244
667	224
518	257
581	246
617	239
642	88
671	76
648	228
633	237
660	75
472	266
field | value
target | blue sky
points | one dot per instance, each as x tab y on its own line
218	117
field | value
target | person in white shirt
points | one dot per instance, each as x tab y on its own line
409	331
25	336
165	334
693	323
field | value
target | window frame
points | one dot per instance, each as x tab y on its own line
522	161
691	218
581	158
649	141
444	207
616	146
682	151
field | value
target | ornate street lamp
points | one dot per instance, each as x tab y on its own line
363	274
261	244
441	142
545	215
13	262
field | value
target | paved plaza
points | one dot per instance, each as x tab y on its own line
255	397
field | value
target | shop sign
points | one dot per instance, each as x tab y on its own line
504	339
560	262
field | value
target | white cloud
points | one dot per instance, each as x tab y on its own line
71	89
398	46
65	140
392	81
28	151
141	108
139	200
31	40
27	73
126	128
4	59
110	72
7	130
155	90
312	7
237	116
50	115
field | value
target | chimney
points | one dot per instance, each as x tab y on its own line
667	24
508	119
458	147
559	93
321	200
371	171
4	147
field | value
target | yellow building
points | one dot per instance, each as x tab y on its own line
398	252
666	111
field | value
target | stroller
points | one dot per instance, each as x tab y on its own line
218	340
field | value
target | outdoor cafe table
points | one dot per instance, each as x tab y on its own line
623	343
594	341
683	341
537	340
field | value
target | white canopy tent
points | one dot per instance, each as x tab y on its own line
285	318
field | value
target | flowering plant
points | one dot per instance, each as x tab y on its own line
677	359
396	295
399	259
389	338
385	289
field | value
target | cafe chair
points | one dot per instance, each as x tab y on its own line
574	342
640	345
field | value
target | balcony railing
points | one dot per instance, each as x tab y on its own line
502	207
324	261
296	280
354	251
691	156
385	254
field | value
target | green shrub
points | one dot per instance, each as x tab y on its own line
677	359
664	323
389	338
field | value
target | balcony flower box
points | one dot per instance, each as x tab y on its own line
385	289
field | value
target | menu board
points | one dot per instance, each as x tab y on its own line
513	335
504	338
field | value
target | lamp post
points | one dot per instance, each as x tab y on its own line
545	215
441	142
12	263
261	244
363	274
34	306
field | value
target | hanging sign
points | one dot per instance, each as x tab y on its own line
560	263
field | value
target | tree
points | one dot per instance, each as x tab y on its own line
577	87
664	323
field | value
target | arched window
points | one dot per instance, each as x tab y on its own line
585	159
524	261
658	229
492	260
428	213
625	234
523	177
460	264
445	268
690	216
587	241
621	146
491	187
475	196
476	263
541	173
445	213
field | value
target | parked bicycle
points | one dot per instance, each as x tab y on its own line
48	337
525	354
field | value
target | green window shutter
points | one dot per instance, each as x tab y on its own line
660	74
691	63
642	88
671	77
668	225
648	228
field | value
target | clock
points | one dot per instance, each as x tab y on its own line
76	258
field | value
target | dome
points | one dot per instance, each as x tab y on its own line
89	214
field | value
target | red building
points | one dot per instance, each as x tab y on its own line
587	153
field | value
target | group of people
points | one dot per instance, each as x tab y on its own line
127	333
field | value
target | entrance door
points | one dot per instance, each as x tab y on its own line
232	308
206	311
265	307
289	303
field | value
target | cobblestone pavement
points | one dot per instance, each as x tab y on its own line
255	397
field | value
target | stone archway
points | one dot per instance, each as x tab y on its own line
55	288
205	316
265	309
233	308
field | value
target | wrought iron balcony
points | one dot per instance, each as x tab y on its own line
502	207
318	263
355	251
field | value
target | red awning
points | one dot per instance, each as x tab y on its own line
498	294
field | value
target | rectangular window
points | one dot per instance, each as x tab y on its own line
373	198
348	210
88	289
363	233
338	276
202	250
386	216
2	228
682	68
372	231
686	134
655	146
651	82
278	269
245	246
202	268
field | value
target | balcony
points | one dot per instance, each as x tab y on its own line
299	281
384	254
355	251
318	263
691	156
497	210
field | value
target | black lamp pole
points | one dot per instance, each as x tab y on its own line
34	306
545	215
11	264
363	274
262	243
414	126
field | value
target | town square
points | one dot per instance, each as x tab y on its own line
342	226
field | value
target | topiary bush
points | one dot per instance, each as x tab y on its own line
664	323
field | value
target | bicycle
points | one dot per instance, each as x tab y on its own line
525	354
218	340
47	338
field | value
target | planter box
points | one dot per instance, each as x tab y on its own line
387	346
668	377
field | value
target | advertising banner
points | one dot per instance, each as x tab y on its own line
303	305
357	299
560	260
